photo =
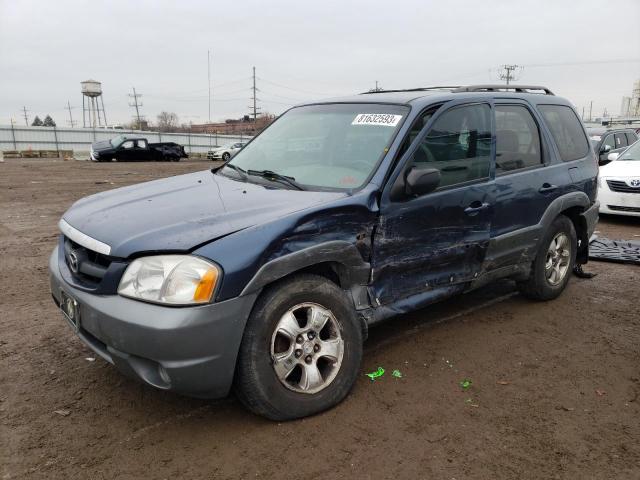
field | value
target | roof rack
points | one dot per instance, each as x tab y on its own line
500	88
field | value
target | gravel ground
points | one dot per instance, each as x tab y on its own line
554	393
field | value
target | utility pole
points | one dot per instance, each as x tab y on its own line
508	75
26	117
209	83
590	109
583	113
137	105
71	122
254	98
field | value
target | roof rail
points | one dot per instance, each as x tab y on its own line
499	88
418	89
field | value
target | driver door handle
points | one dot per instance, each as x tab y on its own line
547	188
475	208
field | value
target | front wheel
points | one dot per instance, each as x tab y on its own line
301	350
226	156
554	262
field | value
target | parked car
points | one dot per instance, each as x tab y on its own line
266	272
225	152
125	148
610	140
619	183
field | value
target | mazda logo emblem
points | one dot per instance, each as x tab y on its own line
73	262
635	182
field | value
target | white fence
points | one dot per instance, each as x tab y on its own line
80	139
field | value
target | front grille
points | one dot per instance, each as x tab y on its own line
86	266
623	209
622	187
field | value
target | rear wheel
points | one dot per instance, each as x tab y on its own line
226	156
554	262
301	350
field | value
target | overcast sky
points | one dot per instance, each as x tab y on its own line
303	50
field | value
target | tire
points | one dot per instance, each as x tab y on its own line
226	156
297	394
554	262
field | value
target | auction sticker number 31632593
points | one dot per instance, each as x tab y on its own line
384	119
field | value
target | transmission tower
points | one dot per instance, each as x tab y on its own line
26	117
136	104
508	74
254	99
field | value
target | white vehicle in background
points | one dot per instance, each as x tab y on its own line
225	152
619	183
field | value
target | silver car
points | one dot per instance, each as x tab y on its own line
225	152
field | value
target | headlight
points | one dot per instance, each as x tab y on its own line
170	279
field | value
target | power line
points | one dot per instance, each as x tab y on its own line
291	88
136	104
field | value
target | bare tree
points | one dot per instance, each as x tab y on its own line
167	122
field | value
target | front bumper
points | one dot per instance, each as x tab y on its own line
191	350
618	203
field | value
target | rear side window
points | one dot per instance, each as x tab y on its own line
566	131
621	140
459	145
631	137
517	139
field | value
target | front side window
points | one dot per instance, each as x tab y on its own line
128	144
141	143
609	141
458	145
566	131
517	139
330	146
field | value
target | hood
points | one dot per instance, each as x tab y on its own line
621	168
182	212
104	145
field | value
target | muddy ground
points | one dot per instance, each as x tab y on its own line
554	394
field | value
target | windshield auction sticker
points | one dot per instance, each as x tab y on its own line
385	119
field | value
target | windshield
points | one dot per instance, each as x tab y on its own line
117	141
325	146
631	153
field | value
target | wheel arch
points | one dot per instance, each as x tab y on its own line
338	261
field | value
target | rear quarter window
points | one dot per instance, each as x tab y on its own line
566	131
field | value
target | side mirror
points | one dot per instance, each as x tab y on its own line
613	156
417	181
605	149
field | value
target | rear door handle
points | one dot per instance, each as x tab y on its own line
547	188
475	208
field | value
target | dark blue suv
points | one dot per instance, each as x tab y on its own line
265	273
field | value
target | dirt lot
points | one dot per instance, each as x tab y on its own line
554	394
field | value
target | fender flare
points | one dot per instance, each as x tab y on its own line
562	203
356	271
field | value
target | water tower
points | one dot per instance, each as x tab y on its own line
91	94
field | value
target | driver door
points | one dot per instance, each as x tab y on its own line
437	242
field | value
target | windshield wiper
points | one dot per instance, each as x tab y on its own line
240	171
273	176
